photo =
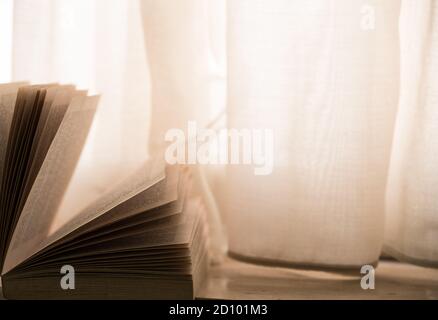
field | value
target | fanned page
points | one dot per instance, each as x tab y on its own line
65	222
50	183
158	202
163	199
8	95
164	192
87	195
23	141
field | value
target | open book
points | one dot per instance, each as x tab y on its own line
139	235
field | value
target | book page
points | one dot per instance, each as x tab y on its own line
8	95
51	182
56	102
69	218
173	231
161	193
115	220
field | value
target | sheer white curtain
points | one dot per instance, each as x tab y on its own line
347	86
411	231
329	89
96	45
6	17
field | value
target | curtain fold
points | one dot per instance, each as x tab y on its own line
185	49
411	229
180	56
329	89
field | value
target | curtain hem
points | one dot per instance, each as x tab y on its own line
334	268
409	259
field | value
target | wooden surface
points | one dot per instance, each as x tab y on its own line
394	280
238	280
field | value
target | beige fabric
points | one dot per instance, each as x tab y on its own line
98	46
412	202
329	89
